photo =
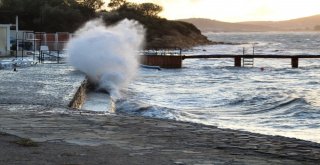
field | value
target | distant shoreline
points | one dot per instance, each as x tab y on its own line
284	31
310	23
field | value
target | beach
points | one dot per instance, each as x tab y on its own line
34	105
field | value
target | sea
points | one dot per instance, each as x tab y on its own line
269	98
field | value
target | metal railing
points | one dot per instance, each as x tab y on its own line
51	56
163	52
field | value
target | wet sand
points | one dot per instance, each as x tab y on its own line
34	105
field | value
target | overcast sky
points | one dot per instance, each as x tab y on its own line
237	10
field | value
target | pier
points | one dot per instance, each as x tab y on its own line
175	61
238	58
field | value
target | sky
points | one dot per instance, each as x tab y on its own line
237	10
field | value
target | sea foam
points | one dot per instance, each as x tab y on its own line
109	56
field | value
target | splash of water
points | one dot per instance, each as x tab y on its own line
108	55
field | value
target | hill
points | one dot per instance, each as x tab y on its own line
299	24
305	23
161	33
208	25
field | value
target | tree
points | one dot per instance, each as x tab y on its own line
150	9
133	10
115	4
60	18
49	15
92	4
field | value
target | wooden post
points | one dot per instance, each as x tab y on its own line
295	62
237	61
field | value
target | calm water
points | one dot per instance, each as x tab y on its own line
278	100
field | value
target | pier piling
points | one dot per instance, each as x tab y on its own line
237	61
295	62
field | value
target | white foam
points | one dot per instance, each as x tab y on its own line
108	55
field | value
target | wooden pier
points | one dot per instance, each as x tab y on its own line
165	61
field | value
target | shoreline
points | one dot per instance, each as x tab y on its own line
36	108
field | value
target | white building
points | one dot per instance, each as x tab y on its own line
4	39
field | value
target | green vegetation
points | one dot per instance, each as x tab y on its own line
49	15
68	15
160	32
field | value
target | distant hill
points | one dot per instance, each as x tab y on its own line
208	25
305	23
299	24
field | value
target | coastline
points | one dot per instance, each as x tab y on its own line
36	107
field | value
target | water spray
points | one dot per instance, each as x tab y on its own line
107	55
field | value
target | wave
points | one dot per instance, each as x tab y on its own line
281	108
139	108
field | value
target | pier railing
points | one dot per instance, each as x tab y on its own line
162	52
51	56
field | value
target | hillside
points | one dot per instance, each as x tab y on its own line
207	25
162	33
305	23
